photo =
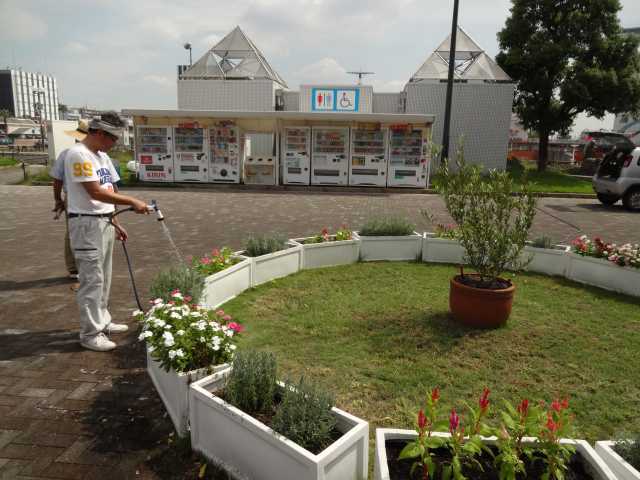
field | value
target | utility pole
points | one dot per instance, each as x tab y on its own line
452	64
187	46
361	74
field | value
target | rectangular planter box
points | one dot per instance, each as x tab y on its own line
275	265
618	465
550	261
592	462
390	248
173	389
603	274
249	449
225	285
328	254
441	250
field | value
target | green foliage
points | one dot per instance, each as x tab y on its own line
304	415
387	226
180	277
260	245
542	242
628	447
252	383
568	58
492	222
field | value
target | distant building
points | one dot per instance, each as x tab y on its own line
624	122
29	95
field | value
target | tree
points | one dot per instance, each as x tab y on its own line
4	114
568	57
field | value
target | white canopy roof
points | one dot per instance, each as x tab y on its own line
235	56
472	63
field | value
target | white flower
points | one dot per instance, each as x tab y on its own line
185	310
168	326
201	325
157	301
158	322
145	334
196	314
202	339
177	295
233	347
180	332
172	354
216	347
175	315
136	313
150	348
168	339
180	353
229	333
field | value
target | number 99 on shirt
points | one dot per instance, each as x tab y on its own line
84	169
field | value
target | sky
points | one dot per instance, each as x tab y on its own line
114	54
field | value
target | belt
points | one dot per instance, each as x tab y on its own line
101	215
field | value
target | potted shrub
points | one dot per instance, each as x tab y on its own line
390	238
493	225
245	421
325	249
466	452
605	265
542	256
443	246
226	275
272	258
622	456
185	342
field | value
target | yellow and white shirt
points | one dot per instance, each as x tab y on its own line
82	165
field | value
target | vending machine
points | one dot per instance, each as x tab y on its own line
296	156
260	166
224	166
191	161
154	153
408	157
368	157
330	156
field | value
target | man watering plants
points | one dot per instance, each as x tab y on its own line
91	198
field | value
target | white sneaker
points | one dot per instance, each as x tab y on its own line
99	343
116	328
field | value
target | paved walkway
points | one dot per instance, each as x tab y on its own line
74	414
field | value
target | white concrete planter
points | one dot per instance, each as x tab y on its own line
618	465
604	274
328	254
550	261
407	247
249	449
225	285
173	389
442	250
276	265
591	461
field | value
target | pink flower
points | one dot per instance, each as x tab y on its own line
422	420
236	327
484	400
188	298
215	252
205	260
220	313
226	318
454	421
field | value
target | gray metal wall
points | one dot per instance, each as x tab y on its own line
365	102
481	112
387	103
244	95
291	101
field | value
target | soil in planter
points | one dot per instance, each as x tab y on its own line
267	419
400	469
487	284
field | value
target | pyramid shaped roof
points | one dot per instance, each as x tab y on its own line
235	56
472	63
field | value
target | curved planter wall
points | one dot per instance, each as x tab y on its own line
249	449
592	462
390	248
328	254
441	250
276	265
603	274
550	261
173	389
618	465
225	285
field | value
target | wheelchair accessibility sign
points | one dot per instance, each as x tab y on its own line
335	99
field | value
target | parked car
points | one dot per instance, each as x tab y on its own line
596	144
618	177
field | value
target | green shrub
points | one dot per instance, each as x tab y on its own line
251	385
389	226
542	242
180	277
257	246
304	415
629	448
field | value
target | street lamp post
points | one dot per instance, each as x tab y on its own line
37	108
452	61
187	46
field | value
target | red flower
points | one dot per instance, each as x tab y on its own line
454	421
565	403
484	400
435	394
215	252
523	408
552	426
188	298
422	420
556	406
236	327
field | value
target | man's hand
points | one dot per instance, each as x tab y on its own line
58	209
139	206
121	233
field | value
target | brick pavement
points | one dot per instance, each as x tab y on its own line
70	413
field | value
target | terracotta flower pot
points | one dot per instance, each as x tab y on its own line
479	307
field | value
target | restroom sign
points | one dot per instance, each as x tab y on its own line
335	99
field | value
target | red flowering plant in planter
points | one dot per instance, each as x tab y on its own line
627	255
555	454
343	233
218	260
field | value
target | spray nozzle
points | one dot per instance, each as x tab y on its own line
153	207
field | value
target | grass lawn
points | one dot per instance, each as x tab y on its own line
7	161
379	336
550	181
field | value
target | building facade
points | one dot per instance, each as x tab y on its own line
29	95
